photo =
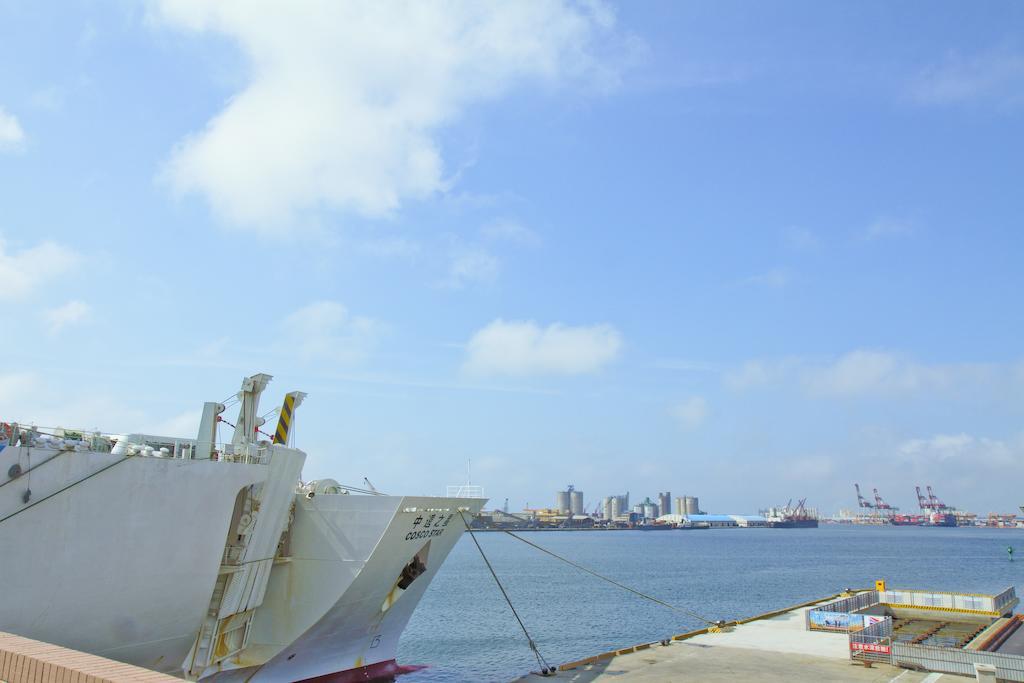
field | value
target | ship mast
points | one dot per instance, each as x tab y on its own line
248	421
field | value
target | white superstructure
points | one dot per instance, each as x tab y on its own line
209	560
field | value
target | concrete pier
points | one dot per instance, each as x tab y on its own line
774	647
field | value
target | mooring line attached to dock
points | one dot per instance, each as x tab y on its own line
545	668
612	581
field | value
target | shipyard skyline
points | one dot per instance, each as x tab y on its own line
637	247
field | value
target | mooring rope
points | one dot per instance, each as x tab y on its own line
610	580
545	668
69	486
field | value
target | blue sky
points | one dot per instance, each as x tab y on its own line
743	251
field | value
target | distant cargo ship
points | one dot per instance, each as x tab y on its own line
794	523
908	520
790	517
941	519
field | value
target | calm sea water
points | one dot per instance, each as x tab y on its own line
463	630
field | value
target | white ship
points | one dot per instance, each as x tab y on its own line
211	561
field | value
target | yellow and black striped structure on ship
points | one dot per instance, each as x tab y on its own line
284	423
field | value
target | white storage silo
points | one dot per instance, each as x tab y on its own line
576	502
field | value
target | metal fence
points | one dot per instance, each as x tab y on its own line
873	642
957	661
838	615
965	602
1005	599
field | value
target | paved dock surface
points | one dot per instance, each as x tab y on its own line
23	660
773	649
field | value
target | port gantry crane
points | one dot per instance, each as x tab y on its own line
882	505
861	500
931	502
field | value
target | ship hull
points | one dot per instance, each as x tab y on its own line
347	554
114	555
794	524
940	519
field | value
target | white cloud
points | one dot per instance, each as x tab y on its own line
684	365
996	75
326	330
13	387
471	264
817	469
11	134
71	313
50	400
49	99
690	413
888	227
800	238
524	348
346	99
754	373
776	278
392	247
961	449
23	271
866	372
183	425
510	231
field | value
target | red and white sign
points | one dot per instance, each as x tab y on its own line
870	647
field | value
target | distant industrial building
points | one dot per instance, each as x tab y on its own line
665	502
575	501
569	501
686	505
615	506
716	521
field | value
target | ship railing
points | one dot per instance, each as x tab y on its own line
249	454
56	438
76	440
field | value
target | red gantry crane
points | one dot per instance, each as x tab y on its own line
881	504
861	501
